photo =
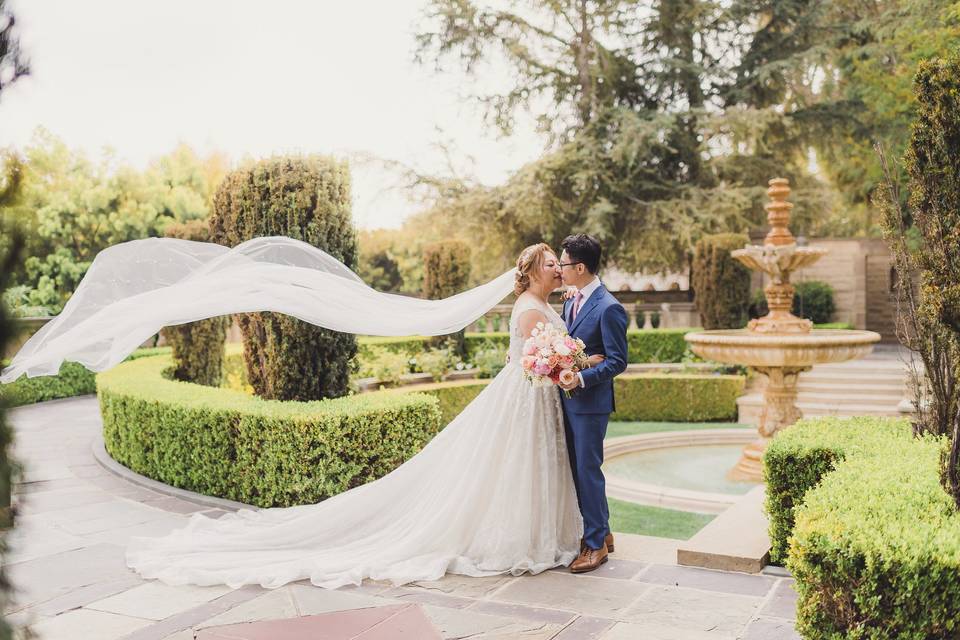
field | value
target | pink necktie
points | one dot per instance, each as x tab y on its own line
577	299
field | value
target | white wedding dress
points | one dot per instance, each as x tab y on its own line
492	493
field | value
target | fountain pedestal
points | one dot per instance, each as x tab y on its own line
779	410
779	345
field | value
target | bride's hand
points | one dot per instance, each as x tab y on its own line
595	359
570	292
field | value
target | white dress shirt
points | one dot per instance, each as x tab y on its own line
587	291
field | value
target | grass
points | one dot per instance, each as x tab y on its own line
617	429
627	517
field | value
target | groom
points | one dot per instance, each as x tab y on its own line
594	316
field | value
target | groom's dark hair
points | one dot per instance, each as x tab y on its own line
583	248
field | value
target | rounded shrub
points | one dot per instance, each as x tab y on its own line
720	283
306	198
268	453
198	347
446	272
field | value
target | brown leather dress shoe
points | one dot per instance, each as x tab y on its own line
607	540
589	559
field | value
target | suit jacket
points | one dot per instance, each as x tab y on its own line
602	325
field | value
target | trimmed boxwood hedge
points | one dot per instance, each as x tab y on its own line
73	380
644	345
269	453
875	548
677	397
647	396
801	455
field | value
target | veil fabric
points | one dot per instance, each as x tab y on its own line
135	288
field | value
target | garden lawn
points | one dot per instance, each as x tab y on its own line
627	517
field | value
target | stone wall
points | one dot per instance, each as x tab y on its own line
859	272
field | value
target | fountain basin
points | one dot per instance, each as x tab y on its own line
742	346
660	452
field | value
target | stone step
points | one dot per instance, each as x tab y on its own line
846	399
865	377
736	540
749	407
842	388
878	367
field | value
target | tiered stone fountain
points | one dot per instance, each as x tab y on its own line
778	345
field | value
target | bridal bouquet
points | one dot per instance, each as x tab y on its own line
551	356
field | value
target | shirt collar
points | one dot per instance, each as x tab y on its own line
590	287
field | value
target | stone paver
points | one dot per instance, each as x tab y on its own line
67	564
708	579
692	611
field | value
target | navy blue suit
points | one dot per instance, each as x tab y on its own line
602	325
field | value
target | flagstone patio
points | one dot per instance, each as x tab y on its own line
67	564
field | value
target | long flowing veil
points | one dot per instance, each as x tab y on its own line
135	288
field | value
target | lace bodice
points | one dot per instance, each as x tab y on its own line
526	302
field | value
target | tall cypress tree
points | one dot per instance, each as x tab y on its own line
306	198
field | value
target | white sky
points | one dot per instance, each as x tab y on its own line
250	79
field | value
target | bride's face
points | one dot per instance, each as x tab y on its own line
549	273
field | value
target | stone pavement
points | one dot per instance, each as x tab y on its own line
67	564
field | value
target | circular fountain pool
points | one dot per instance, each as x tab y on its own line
697	468
684	470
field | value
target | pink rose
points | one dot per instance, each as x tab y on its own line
542	369
529	348
527	362
571	344
567	376
566	362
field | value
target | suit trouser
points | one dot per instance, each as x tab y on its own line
585	433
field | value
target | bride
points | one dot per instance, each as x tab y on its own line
492	493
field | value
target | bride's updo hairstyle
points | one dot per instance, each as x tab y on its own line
530	260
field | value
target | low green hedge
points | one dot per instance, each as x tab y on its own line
801	455
73	380
875	548
833	325
269	453
677	397
656	345
644	345
645	396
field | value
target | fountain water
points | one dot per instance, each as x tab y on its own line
779	345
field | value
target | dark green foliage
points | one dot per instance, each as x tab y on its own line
267	453
801	455
446	272
381	271
875	548
924	238
306	198
720	283
9	258
813	300
933	163
198	347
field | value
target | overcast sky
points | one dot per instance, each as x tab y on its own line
250	79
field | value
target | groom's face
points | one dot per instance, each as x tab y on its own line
573	275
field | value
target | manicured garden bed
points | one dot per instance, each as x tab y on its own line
858	513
